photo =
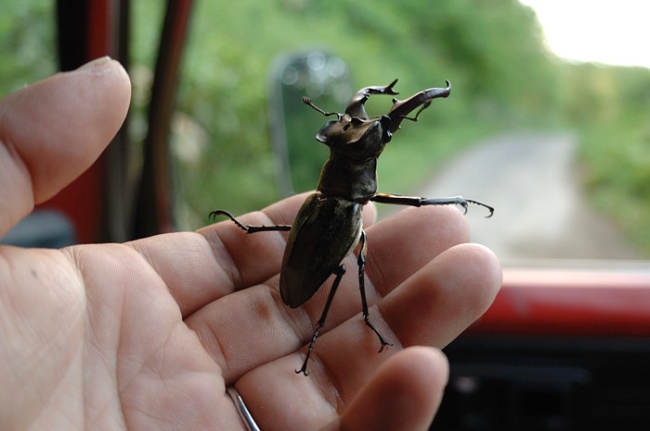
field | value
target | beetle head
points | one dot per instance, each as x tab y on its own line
354	133
359	136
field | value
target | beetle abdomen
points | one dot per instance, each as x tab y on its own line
326	229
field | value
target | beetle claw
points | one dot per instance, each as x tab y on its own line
382	341
215	213
489	208
303	369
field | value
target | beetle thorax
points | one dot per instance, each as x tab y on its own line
355	144
350	179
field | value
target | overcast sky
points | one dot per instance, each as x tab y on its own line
605	31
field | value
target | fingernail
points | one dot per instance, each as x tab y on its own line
97	63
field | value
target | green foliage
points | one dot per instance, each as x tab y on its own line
615	149
491	52
26	43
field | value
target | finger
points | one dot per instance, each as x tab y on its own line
430	308
54	130
245	332
249	259
256	257
226	259
404	394
198	268
440	301
254	320
220	259
397	248
410	239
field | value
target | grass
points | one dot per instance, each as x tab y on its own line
616	160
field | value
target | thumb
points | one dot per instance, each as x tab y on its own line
52	131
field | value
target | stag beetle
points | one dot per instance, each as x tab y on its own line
328	226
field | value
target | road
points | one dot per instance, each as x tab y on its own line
532	181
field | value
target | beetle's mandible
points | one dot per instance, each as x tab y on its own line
328	226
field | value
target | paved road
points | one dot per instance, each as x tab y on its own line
532	181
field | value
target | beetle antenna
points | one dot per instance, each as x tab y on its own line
307	101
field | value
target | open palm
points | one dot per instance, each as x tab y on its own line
148	334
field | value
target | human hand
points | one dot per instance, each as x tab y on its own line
148	334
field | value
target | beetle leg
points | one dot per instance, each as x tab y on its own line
321	321
249	228
386	198
361	261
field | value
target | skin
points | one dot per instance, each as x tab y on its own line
148	334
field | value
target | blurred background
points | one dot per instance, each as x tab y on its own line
544	121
